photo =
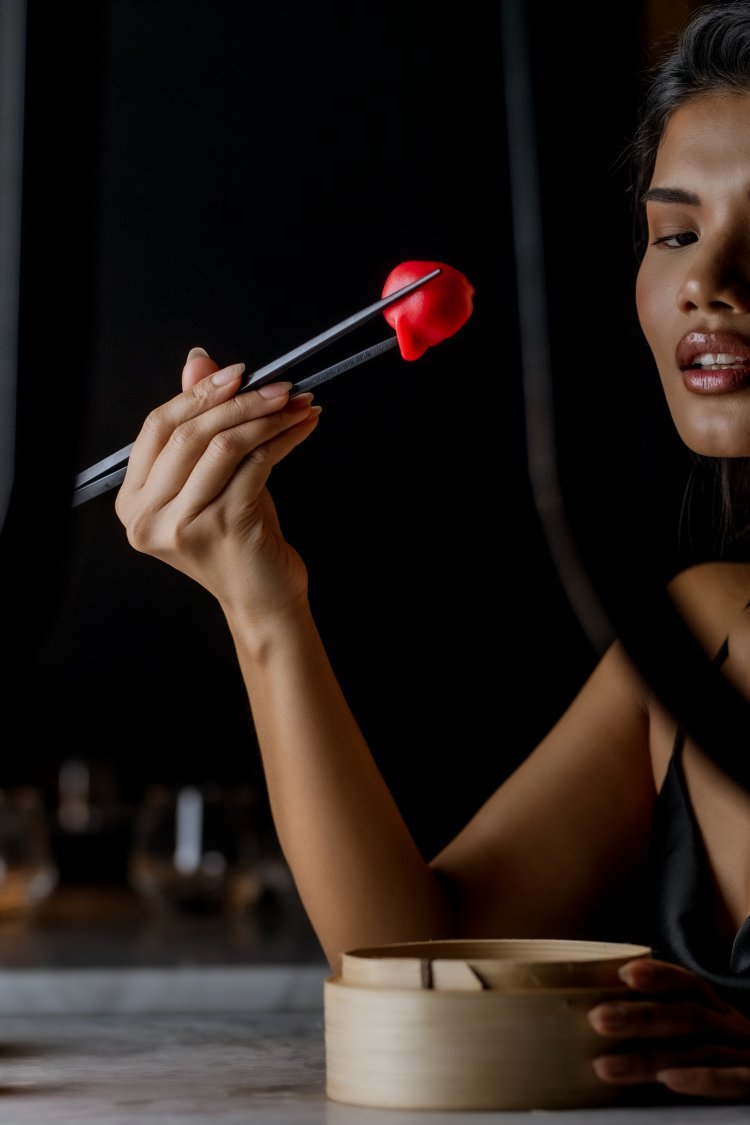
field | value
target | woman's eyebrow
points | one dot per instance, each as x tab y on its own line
669	195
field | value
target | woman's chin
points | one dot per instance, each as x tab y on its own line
726	434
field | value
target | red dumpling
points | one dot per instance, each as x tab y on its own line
431	313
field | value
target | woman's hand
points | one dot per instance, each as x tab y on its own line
195	490
681	1034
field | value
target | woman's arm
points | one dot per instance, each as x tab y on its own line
535	860
358	871
195	497
571	825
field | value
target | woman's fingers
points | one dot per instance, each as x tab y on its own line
178	432
681	1034
646	974
161	423
729	1083
677	1004
194	494
244	455
708	1072
184	460
197	366
660	1019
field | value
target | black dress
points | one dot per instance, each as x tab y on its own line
684	895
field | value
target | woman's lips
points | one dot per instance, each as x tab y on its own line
717	380
713	363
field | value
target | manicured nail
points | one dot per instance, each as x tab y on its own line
301	401
195	352
610	1017
638	974
681	1081
227	374
274	390
613	1066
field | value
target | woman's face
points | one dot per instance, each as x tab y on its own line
693	287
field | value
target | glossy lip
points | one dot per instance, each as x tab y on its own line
707	381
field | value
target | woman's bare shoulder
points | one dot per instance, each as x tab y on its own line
710	596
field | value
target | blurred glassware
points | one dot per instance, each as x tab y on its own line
90	820
28	873
74	811
196	849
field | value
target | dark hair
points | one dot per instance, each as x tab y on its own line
710	53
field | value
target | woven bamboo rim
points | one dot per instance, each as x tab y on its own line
490	1025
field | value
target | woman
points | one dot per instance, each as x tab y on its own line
614	778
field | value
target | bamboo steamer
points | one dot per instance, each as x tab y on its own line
462	1025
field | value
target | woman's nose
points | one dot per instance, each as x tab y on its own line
717	278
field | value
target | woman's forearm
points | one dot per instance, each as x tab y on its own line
358	871
195	496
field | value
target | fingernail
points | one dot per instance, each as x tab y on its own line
613	1066
195	352
610	1017
301	401
227	374
274	390
681	1081
636	973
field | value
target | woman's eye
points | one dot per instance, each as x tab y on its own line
676	241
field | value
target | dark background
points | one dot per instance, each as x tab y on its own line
240	177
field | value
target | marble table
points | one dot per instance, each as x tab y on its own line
222	1068
109	1016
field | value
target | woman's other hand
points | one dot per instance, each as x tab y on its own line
680	1034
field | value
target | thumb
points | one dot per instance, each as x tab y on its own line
197	366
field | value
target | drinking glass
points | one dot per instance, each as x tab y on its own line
196	849
28	873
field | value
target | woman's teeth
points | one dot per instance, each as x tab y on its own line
720	360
